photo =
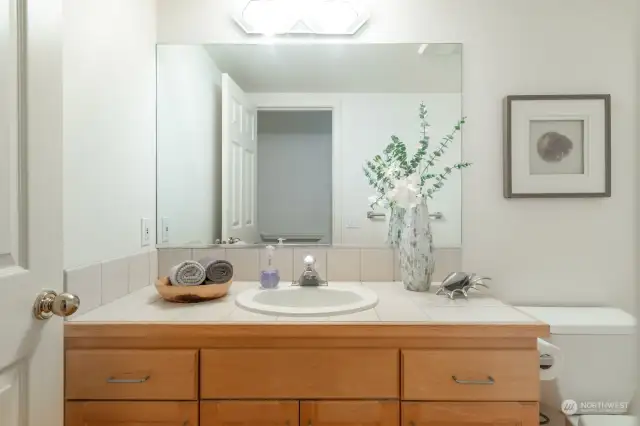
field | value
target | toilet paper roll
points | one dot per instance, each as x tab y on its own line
547	350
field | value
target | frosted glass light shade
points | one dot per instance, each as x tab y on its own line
324	17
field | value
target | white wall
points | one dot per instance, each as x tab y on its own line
109	127
189	131
570	251
294	173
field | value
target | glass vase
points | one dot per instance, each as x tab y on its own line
396	225
416	249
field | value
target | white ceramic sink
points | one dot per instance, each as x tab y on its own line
308	301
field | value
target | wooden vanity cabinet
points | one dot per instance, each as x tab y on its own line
130	374
100	413
249	413
294	373
470	375
349	413
469	414
301	375
302	413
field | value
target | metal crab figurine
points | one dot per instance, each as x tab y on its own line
461	283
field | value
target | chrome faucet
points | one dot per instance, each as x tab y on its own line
310	276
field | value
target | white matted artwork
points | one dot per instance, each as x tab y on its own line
557	146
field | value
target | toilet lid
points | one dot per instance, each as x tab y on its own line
612	420
582	320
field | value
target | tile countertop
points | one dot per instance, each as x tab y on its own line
395	305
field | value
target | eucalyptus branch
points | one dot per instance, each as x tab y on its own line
380	197
441	177
439	183
384	170
423	142
373	182
436	154
425	178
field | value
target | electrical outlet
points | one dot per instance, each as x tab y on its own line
165	229
145	232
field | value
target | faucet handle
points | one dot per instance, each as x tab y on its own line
309	260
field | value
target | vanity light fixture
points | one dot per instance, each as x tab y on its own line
422	48
321	17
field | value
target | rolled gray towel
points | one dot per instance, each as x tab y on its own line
218	271
188	272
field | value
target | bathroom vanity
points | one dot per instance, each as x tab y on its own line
382	356
409	361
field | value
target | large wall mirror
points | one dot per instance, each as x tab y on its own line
261	142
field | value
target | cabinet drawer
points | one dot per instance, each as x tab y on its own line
131	413
345	413
132	374
469	413
249	413
470	375
299	373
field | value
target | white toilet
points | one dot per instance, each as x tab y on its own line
599	365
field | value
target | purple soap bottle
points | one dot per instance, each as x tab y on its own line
270	277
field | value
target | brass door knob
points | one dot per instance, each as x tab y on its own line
49	303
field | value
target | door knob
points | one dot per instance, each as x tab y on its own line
49	303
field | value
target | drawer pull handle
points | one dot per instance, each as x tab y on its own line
114	380
489	381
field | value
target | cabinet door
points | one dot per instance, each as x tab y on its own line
249	413
469	414
350	413
131	414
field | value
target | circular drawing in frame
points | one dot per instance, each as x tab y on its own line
552	147
556	147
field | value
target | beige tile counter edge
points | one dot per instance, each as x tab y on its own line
395	305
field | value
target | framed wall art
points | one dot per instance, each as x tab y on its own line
557	146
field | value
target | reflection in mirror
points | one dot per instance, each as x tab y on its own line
265	143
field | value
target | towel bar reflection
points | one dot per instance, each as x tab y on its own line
291	237
373	215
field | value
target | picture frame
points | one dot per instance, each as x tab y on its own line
557	146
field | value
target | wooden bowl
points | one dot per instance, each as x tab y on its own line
190	293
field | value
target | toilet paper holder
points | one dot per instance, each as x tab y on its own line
550	360
546	361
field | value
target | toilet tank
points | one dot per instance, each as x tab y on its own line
599	349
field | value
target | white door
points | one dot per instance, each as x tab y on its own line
239	164
31	350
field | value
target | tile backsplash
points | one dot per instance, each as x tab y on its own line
376	264
343	264
334	263
102	282
115	279
245	264
282	260
86	283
